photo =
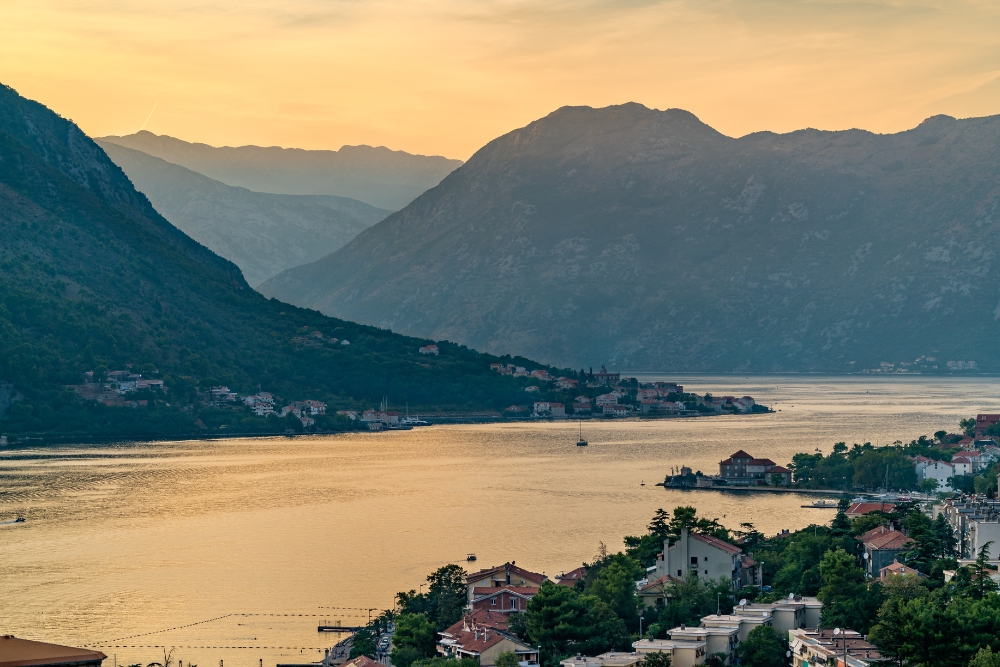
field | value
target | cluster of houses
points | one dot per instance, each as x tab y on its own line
740	469
494	594
123	382
316	338
262	405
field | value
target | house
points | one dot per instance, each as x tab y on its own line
899	570
655	592
966	462
581	407
17	652
618	410
566	383
682	653
862	508
259	397
429	349
744	624
744	404
557	409
703	555
482	643
786	615
507	574
646	394
984	422
572	577
718	638
262	409
942	471
505	600
606	399
223	394
531	388
542	408
668	388
149	384
361	661
604	377
542	375
312	407
829	646
883	546
742	469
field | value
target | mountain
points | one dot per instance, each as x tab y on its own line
645	239
378	176
92	278
263	234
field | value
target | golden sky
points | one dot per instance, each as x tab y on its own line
444	77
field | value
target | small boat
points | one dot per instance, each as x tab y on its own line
581	442
19	519
470	557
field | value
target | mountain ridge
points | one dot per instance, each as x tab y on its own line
262	233
378	176
659	242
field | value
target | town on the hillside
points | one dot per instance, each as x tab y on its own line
602	394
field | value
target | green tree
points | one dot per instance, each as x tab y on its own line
414	639
447	593
929	485
656	660
762	648
690	599
363	643
843	588
985	658
507	659
561	620
615	585
968	426
982	582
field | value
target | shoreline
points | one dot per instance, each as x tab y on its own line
759	489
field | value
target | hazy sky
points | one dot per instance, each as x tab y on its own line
446	76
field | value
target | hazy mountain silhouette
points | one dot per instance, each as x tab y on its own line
261	233
378	176
647	240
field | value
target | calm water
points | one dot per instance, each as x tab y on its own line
250	543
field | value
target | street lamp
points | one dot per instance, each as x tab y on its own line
843	633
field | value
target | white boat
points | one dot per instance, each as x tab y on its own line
581	442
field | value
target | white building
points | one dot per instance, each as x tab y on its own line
682	653
941	471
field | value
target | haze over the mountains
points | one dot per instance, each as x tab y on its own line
379	176
261	233
647	240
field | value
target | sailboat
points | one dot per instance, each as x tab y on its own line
581	442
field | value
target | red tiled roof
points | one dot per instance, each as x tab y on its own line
892	539
779	469
865	508
502	569
717	543
741	455
877	530
482	618
571	577
899	568
657	583
361	661
523	591
761	462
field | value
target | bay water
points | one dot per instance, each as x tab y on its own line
235	550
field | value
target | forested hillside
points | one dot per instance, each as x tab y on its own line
92	278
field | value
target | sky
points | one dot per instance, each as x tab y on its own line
443	77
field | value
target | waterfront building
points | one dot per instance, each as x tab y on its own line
482	643
505	600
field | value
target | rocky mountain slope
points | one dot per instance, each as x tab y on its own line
261	233
92	278
378	176
645	239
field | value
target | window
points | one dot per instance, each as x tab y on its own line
679	573
493	601
706	559
694	560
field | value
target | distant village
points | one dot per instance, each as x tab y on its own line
609	395
605	394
